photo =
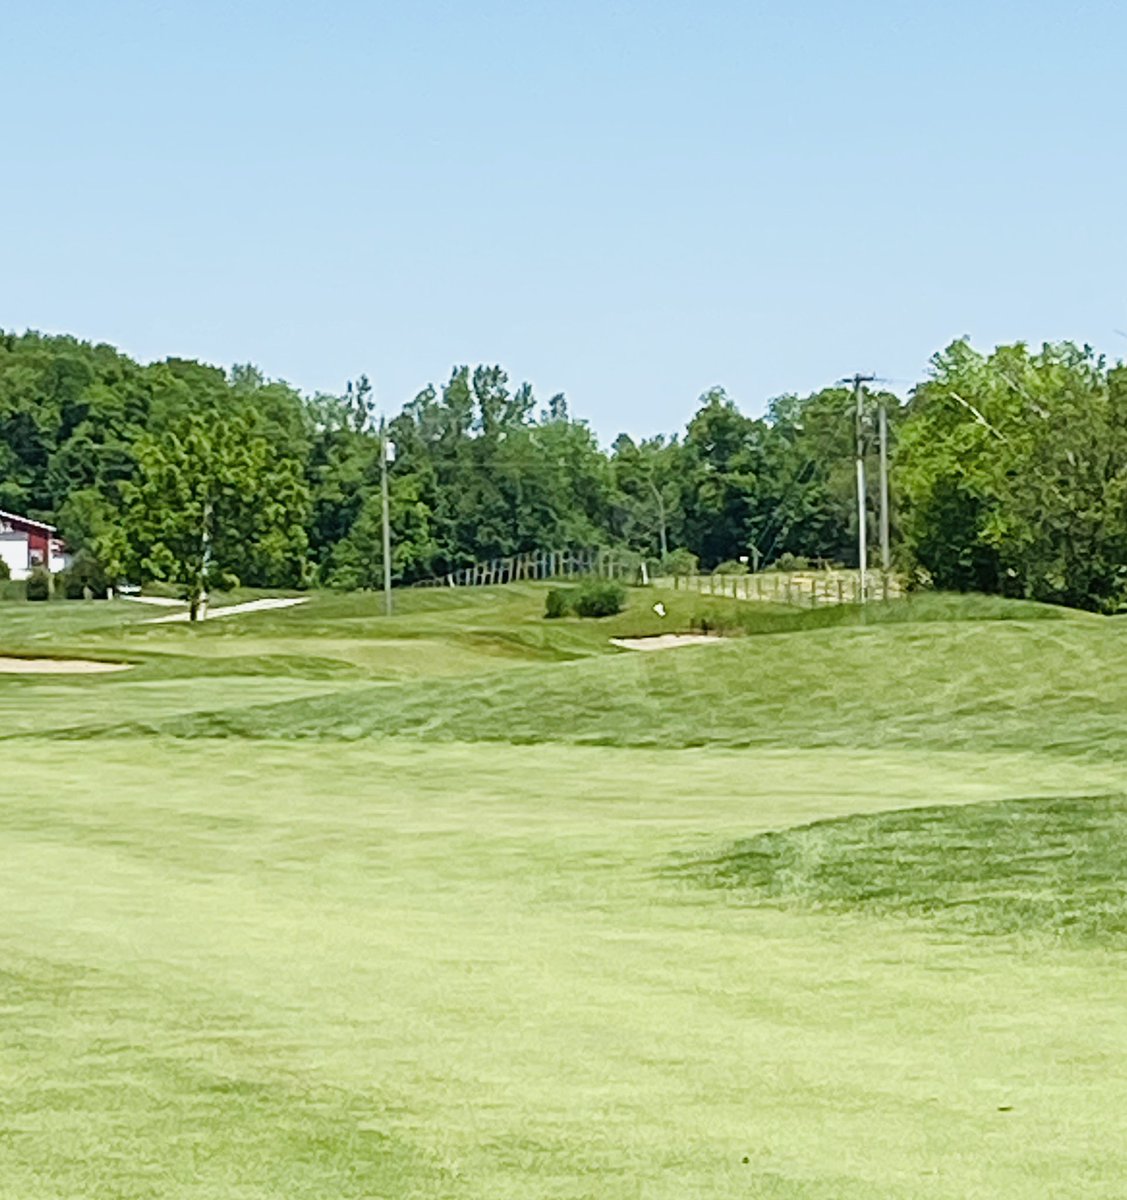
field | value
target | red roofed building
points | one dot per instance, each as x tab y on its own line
25	544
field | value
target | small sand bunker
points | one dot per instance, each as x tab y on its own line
665	641
57	666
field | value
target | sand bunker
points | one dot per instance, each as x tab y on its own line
665	641
57	666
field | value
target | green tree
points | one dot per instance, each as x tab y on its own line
213	502
649	490
808	501
1013	471
723	460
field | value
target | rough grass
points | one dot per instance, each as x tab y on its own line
1052	867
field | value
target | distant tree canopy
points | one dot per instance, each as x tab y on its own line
1012	474
1009	473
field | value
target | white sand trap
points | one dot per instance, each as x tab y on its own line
665	641
58	666
233	610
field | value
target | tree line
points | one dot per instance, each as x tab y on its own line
1009	473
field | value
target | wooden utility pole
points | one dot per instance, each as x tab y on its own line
661	518
885	549
386	518
859	382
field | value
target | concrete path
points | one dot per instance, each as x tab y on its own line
159	601
233	610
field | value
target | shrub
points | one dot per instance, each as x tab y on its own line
5	571
84	576
680	562
599	598
558	603
731	567
791	562
39	584
714	620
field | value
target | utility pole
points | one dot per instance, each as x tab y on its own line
661	517
859	382
885	552
197	604
386	516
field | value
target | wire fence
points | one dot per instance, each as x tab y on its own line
806	589
542	565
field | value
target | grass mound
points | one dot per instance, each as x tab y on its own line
1043	685
734	617
1038	867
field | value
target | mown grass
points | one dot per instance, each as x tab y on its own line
304	970
1052	867
449	630
307	958
1045	685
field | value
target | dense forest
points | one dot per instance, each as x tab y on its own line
1009	473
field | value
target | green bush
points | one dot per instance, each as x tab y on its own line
680	562
731	567
5	571
558	603
84	574
39	584
599	598
167	591
791	562
715	620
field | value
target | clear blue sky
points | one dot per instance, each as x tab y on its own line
628	202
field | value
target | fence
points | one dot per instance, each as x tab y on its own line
540	564
808	589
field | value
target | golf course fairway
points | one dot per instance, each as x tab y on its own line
462	903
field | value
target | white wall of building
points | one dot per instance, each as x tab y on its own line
14	551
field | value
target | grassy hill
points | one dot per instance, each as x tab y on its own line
976	685
469	903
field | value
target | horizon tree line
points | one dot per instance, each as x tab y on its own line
1009	473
